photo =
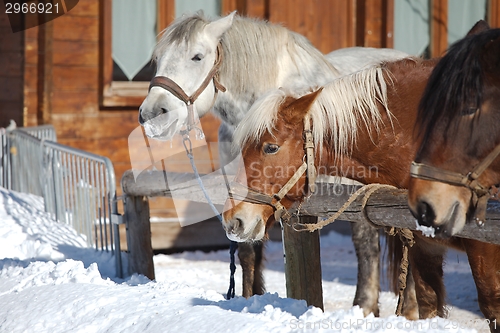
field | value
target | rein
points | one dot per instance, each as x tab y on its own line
243	193
470	180
172	87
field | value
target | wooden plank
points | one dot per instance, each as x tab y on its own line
75	102
95	126
494	13
45	72
11	64
386	207
139	243
12	88
77	28
256	8
85	8
75	53
9	41
374	23
166	14
438	28
228	6
303	264
76	78
11	110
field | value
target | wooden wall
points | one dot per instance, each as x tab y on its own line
11	72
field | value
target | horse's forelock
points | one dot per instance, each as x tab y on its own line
261	118
455	84
183	30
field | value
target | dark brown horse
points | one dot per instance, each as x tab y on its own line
362	128
457	162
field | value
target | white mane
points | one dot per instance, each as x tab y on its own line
252	50
339	111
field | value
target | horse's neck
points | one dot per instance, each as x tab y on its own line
385	157
295	64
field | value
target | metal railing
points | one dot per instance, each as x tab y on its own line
78	187
5	165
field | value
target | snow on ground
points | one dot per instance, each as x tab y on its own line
50	282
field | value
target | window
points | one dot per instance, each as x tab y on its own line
128	35
415	34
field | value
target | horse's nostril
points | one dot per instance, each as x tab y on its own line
234	225
163	110
141	120
425	214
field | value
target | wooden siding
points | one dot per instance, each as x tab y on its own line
11	73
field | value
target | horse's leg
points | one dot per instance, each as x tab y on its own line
426	260
366	243
258	287
410	304
484	261
251	260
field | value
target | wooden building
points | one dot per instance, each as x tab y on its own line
60	72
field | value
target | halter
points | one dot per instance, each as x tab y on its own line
172	87
244	193
470	180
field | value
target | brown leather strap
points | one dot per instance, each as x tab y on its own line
309	148
427	172
169	85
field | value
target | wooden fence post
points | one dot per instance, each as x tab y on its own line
302	263
139	244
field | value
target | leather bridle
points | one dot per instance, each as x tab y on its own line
470	180
243	193
172	87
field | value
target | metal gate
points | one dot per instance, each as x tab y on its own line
78	187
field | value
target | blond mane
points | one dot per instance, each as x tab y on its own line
341	109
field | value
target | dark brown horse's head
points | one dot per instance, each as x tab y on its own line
459	117
272	152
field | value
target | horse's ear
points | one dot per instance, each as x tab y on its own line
219	27
294	110
491	58
479	27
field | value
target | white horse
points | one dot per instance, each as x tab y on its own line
197	58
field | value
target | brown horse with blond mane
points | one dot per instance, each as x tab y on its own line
361	127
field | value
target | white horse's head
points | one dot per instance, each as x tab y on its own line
185	58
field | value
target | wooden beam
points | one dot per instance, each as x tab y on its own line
494	13
374	23
303	263
166	14
140	251
389	208
44	73
384	207
438	28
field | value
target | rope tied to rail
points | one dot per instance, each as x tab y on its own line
408	241
405	234
366	191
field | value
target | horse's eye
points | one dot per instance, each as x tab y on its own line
271	148
197	57
469	111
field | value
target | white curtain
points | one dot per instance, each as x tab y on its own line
462	15
134	34
211	8
411	26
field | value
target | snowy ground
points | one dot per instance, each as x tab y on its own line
49	282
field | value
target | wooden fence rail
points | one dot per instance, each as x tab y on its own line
386	207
